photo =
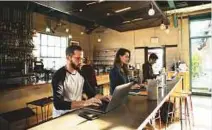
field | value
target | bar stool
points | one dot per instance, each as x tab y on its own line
186	97
17	115
156	117
44	104
151	124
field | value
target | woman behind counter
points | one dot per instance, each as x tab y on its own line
119	73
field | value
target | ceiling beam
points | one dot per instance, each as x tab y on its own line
171	4
161	12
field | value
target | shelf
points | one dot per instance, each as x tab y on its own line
105	56
18	69
10	33
22	75
102	65
103	60
25	49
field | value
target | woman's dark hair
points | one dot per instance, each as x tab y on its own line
117	61
85	60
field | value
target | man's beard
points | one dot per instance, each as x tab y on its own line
74	66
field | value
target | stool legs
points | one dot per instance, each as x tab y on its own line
185	107
47	112
186	103
173	110
152	121
168	113
192	113
36	114
42	113
185	112
159	121
181	121
167	117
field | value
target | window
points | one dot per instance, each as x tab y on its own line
201	51
51	49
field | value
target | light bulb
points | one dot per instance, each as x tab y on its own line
48	29
70	36
162	26
82	33
167	30
99	40
67	30
101	1
151	12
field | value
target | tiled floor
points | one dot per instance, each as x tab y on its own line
202	114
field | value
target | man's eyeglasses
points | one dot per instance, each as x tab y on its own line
78	58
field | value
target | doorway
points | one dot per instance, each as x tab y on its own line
157	67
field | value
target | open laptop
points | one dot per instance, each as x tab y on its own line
119	94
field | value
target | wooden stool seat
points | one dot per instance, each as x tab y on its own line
43	102
17	115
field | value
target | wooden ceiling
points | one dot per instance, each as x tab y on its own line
93	14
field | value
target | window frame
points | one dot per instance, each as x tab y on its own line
61	47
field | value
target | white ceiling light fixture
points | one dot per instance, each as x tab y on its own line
162	26
91	3
100	1
67	30
167	29
70	36
124	22
99	39
80	10
151	11
48	29
108	14
122	10
137	19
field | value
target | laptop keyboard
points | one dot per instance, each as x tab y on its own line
102	107
138	90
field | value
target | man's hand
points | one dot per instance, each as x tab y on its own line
92	102
136	86
104	98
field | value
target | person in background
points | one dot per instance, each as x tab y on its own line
119	73
68	85
89	73
147	68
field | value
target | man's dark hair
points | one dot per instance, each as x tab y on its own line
70	49
153	56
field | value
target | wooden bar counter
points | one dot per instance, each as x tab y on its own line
134	114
